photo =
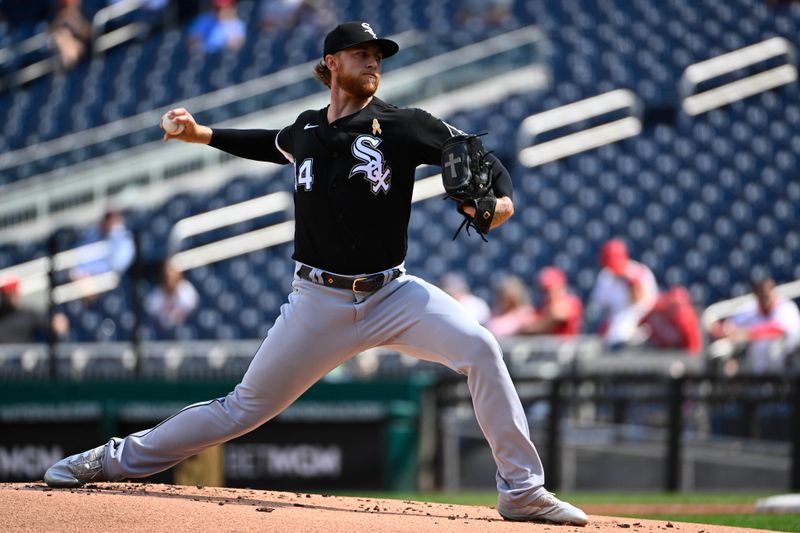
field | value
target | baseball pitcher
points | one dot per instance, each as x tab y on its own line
354	165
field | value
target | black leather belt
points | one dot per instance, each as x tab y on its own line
370	283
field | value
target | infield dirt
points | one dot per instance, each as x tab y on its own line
135	507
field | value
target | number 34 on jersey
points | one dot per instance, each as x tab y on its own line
373	168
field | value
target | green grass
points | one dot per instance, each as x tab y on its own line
774	522
662	497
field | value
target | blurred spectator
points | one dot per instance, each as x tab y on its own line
280	14
20	325
456	286
169	304
672	323
624	292
120	250
5	31
71	33
770	328
288	14
218	29
484	13
560	312
512	310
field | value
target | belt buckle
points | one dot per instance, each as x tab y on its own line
356	281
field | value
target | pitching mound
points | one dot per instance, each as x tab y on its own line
134	507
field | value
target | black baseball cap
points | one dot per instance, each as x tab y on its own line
352	33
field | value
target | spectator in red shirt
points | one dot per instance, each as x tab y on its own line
560	312
21	325
672	323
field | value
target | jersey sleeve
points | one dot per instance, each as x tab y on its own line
428	134
284	142
259	145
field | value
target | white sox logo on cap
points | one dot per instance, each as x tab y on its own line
368	29
354	33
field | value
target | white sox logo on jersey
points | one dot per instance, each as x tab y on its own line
365	149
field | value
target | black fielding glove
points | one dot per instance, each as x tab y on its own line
466	176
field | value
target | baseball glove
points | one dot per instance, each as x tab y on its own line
467	179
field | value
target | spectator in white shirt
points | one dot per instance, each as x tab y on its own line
172	301
770	327
456	286
624	292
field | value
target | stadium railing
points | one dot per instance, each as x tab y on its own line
666	433
105	39
696	100
35	275
536	152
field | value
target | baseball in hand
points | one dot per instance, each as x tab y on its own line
170	126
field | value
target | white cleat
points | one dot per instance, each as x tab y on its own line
545	508
77	469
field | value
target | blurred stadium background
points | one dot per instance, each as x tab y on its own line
691	161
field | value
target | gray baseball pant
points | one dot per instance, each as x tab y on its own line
320	328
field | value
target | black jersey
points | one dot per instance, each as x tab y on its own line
353	183
353	180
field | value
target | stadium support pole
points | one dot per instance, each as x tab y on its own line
674	442
795	481
136	302
554	436
51	306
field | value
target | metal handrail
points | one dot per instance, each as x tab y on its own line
226	216
32	43
119	36
85	287
111	12
33	274
573	143
696	103
234	246
20	76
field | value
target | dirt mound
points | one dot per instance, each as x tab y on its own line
133	507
